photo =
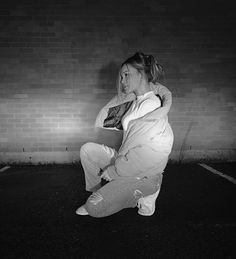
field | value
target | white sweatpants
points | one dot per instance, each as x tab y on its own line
116	194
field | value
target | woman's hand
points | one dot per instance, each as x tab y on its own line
105	176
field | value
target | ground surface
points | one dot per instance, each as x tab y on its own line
195	216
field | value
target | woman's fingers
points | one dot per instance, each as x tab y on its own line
106	176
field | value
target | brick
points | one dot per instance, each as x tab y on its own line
54	81
5	116
22	125
20	116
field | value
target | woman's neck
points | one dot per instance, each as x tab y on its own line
142	89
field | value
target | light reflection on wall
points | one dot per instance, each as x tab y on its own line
44	125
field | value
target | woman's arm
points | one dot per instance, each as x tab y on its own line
111	114
166	97
137	162
102	115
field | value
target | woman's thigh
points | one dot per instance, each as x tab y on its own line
96	153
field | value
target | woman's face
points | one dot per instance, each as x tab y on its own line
130	79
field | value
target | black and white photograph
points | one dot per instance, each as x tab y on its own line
117	129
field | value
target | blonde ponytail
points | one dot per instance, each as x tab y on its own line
155	71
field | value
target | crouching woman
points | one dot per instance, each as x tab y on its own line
134	172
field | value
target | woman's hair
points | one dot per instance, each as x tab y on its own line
146	64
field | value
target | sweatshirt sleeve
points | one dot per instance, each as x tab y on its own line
136	162
104	112
114	102
166	97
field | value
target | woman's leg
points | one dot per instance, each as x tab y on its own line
95	157
120	194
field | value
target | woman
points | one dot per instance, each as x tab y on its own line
134	173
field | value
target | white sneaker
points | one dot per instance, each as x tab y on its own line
147	204
81	211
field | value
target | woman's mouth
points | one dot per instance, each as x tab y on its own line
125	88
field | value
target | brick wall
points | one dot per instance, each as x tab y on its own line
59	61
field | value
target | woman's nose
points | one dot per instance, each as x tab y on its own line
122	80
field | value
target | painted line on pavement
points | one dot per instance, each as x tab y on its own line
4	168
214	171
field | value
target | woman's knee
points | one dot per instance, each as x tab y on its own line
86	148
95	206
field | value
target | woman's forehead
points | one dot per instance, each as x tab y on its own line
127	68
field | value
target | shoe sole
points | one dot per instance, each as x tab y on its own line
81	214
145	214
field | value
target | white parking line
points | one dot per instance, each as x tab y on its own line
4	168
214	171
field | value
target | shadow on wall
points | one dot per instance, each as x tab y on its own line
184	143
107	79
108	76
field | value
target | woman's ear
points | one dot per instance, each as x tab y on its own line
142	76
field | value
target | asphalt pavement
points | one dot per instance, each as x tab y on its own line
195	216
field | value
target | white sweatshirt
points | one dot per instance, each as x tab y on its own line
140	107
147	141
